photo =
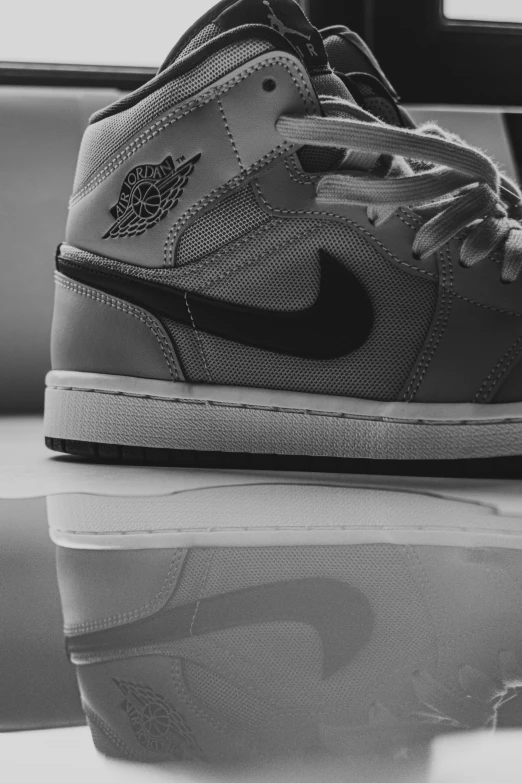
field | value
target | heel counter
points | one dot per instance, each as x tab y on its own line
95	332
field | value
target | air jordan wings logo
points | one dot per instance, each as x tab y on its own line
147	194
282	29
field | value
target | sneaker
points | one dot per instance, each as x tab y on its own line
226	624
255	263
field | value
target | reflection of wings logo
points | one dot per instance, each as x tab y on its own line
148	192
156	724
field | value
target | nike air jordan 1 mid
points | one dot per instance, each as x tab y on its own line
265	257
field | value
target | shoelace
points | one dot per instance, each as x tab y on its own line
463	186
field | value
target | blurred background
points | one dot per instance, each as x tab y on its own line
456	61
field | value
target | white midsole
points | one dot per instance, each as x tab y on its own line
142	412
407	412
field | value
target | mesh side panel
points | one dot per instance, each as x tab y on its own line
281	662
381	108
268	285
227	697
377	105
365	89
133	97
229	264
403	307
234	216
315	159
204	35
105	137
275	655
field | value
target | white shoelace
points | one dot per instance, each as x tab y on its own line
463	187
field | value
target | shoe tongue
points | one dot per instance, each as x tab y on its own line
353	61
348	54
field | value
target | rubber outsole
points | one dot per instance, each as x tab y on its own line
147	421
497	467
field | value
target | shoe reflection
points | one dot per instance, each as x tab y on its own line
245	622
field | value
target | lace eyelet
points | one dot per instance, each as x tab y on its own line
371	222
416	256
269	84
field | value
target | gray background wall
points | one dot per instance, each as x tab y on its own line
40	132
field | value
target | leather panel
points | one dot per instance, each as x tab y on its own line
94	332
222	124
481	283
251	112
510	390
460	364
202	132
101	588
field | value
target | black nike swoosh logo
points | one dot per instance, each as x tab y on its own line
341	615
339	321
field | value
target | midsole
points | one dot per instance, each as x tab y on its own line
268	399
126	411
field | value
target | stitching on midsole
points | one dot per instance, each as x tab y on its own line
302	411
274	529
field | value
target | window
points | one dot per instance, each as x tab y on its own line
484	10
113	43
100	32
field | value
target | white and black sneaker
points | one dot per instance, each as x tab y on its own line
255	263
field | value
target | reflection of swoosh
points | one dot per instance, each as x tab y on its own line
338	322
341	615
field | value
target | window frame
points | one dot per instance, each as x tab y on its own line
126	78
67	75
475	60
